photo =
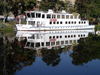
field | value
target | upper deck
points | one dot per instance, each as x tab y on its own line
51	15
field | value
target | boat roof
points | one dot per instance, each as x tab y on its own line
50	11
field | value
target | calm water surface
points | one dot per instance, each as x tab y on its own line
73	52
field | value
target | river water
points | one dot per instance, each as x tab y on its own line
71	52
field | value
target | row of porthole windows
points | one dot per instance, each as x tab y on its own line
66	22
62	22
81	35
66	36
82	22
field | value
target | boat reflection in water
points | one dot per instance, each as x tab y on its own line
51	39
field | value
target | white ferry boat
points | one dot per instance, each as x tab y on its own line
39	20
51	39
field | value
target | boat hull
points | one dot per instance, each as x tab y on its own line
21	27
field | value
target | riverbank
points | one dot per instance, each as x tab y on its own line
97	27
9	26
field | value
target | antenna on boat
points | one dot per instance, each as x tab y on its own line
38	4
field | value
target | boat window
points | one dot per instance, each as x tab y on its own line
38	15
53	37
54	22
30	38
47	43
74	22
66	42
71	35
67	16
63	16
66	22
58	16
29	22
28	15
50	37
50	22
32	22
33	15
70	41
37	44
43	16
32	44
62	42
52	43
65	36
68	36
60	36
75	17
42	43
74	41
57	37
48	16
28	43
57	22
60	22
71	16
78	35
57	43
69	22
74	35
33	36
53	16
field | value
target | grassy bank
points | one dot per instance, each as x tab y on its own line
97	27
8	26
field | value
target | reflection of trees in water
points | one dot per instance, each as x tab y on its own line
14	57
52	56
87	50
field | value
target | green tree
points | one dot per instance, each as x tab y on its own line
19	6
1	7
83	7
95	8
88	8
55	5
69	7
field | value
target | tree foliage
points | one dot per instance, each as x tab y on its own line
55	5
19	6
88	8
1	7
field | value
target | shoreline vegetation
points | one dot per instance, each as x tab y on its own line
9	26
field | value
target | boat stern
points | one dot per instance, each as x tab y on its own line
18	26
